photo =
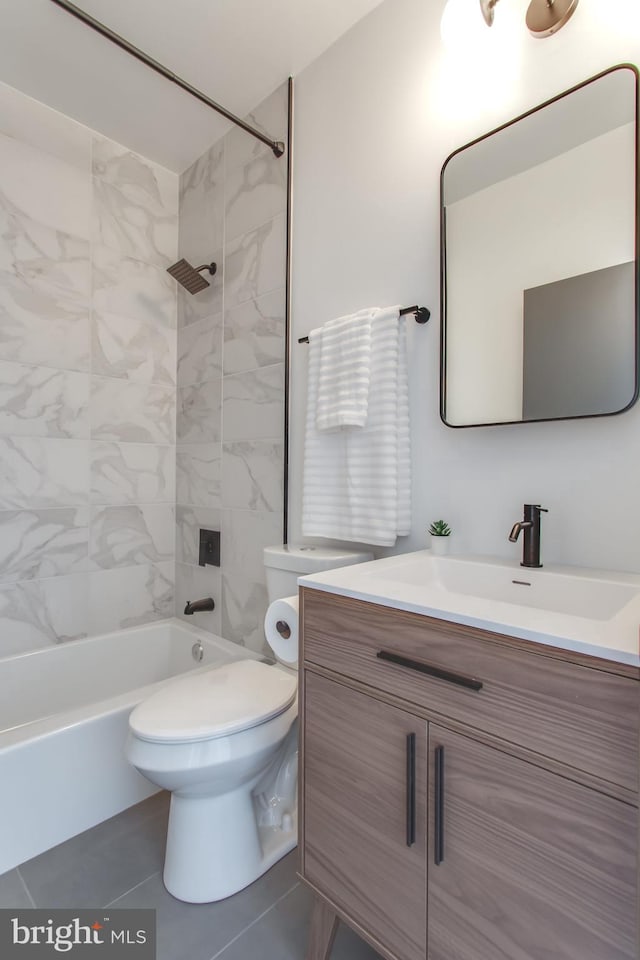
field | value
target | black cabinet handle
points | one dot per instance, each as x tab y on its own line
411	789
470	682
438	804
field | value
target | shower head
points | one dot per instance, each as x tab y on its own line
189	276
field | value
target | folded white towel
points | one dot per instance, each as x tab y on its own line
357	483
345	368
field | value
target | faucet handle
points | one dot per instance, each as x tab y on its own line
541	509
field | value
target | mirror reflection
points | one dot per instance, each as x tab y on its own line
539	262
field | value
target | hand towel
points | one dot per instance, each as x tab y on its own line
345	369
357	483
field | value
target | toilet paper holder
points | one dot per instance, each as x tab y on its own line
283	629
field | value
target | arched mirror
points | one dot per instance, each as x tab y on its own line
540	262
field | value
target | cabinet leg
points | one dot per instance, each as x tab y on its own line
322	931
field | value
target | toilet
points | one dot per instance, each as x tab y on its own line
225	743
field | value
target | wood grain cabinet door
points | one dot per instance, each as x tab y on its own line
364	812
524	864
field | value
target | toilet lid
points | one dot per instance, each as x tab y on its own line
215	703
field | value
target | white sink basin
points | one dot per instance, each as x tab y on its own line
595	612
577	594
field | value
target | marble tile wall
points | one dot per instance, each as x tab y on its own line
88	360
230	374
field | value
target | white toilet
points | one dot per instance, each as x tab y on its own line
225	743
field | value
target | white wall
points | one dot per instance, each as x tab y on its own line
533	228
376	117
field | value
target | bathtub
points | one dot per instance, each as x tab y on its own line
63	723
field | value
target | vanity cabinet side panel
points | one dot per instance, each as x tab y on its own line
532	864
355	813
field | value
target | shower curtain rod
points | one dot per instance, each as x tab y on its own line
421	315
276	145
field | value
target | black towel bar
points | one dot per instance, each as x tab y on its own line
422	314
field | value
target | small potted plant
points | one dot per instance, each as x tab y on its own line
440	533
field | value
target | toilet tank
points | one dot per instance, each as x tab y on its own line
284	564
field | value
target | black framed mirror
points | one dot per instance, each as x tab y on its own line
539	262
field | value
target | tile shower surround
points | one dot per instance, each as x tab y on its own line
230	374
103	368
87	380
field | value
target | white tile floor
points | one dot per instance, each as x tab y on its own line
119	863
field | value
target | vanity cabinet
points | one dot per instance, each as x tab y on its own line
528	863
465	796
365	811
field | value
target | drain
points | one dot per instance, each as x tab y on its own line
197	651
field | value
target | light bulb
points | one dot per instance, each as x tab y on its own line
462	25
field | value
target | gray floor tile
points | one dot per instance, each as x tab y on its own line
349	946
97	866
199	931
12	891
282	935
121	860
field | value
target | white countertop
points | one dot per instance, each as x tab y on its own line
421	583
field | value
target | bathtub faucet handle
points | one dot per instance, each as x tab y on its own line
199	606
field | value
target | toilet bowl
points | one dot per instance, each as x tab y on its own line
224	742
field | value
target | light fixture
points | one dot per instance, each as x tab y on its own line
544	17
461	27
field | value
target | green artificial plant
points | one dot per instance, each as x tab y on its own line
440	529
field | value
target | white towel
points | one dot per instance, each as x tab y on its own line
357	483
345	369
403	435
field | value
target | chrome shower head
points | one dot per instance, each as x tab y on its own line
189	277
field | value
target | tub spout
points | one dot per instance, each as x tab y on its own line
199	606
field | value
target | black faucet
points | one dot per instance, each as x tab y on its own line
531	527
198	606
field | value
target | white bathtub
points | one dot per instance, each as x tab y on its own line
63	724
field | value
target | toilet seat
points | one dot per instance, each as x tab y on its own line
215	703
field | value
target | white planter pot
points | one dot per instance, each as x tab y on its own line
440	545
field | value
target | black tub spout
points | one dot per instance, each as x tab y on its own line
199	606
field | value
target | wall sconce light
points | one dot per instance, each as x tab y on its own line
544	17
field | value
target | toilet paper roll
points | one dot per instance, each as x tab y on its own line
281	630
